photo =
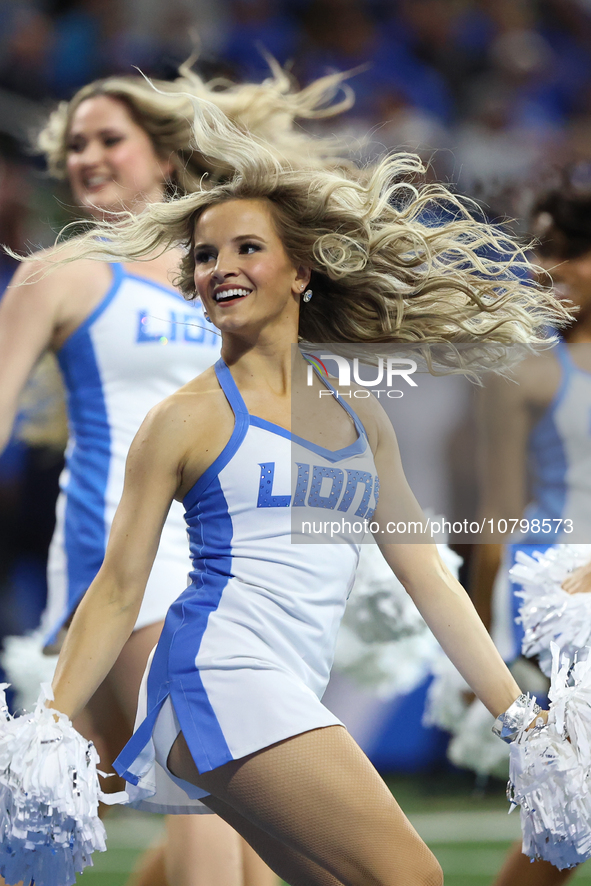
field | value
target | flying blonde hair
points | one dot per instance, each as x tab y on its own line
165	111
393	259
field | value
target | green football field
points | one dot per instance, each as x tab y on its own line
469	831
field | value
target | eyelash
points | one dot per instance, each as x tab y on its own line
203	257
109	142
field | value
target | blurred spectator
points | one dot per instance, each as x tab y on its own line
25	64
257	25
344	34
450	38
14	192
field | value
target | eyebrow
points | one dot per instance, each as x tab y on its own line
106	130
239	239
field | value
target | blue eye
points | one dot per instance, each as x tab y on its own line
249	248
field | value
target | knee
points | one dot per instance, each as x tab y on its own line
418	869
432	874
423	870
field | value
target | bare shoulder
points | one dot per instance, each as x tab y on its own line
56	266
187	430
66	291
194	406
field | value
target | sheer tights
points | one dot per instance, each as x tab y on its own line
314	808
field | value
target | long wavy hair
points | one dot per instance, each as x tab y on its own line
393	259
561	221
165	111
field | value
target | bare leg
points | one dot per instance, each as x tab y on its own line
518	870
103	723
206	851
149	870
213	852
317	795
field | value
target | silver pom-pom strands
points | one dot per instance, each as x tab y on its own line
550	770
26	667
446	704
548	613
49	794
473	745
383	643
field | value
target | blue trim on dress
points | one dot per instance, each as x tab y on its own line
118	275
358	446
547	456
173	671
149	282
88	464
242	420
228	386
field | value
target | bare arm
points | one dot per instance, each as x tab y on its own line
39	308
27	320
504	427
440	598
107	614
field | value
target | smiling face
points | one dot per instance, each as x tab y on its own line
111	161
243	274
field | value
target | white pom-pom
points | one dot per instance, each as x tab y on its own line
448	706
26	667
548	613
378	607
550	771
476	747
49	793
383	643
446	703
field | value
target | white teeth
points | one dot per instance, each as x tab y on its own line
95	180
231	293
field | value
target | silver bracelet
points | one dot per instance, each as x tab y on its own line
516	718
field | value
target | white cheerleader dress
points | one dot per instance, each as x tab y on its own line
140	344
246	650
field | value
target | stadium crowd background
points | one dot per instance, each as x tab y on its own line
495	94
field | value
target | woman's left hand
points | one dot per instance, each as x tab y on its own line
579	581
541	715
